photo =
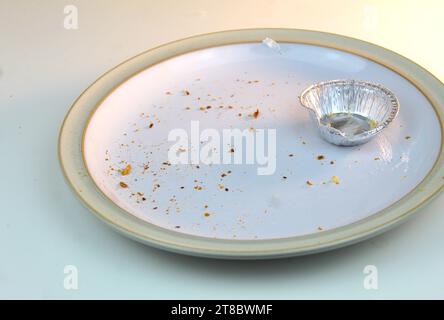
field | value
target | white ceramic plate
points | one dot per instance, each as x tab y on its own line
228	210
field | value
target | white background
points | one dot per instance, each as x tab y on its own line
44	67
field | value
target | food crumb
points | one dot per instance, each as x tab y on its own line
151	125
123	185
206	214
320	157
407	137
186	92
332	162
376	158
126	171
310	183
256	114
335	180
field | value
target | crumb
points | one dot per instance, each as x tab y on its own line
256	114
320	157
151	125
226	189
186	92
206	214
232	150
320	228
168	93
332	162
197	188
208	107
126	171
310	183
291	155
335	180
376	158
177	227
407	137
123	185
284	177
155	208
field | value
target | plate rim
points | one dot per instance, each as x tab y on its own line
73	165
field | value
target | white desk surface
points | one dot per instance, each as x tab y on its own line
43	227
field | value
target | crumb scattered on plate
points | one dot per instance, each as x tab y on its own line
335	180
126	171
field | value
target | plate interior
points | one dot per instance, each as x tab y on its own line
252	87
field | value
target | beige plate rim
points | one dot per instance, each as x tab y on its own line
70	151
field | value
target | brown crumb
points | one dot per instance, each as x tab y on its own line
123	185
186	92
256	114
151	125
168	93
232	150
407	137
155	208
320	157
308	182
206	214
126	171
376	158
208	107
197	188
